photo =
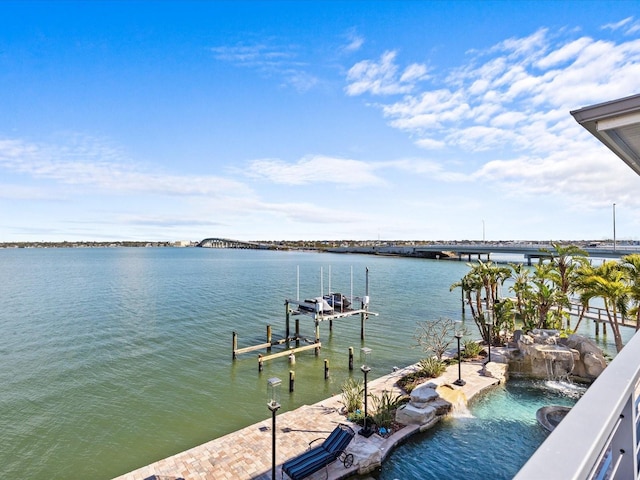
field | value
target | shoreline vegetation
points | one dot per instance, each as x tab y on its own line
318	245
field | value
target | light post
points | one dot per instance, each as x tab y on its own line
489	323
614	227
460	382
273	386
365	354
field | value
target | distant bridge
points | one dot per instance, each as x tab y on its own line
229	243
469	250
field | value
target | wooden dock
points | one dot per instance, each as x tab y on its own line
319	310
599	316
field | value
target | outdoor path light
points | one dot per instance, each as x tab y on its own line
365	354
273	387
460	382
489	323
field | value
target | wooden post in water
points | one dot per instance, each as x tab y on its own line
331	325
286	317
297	332
326	368
317	349
292	380
350	358
234	346
260	362
269	337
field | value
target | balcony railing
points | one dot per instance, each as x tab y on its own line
598	439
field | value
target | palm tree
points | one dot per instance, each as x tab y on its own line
522	289
545	297
581	286
609	282
566	259
631	265
480	289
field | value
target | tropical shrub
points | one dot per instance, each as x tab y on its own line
471	349
385	406
352	394
432	367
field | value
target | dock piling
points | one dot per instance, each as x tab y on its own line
234	346
269	337
292	380
350	358
287	319
326	368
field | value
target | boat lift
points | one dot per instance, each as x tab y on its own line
329	307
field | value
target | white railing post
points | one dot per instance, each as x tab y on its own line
623	444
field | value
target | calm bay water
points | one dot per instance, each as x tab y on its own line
114	358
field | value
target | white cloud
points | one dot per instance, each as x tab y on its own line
383	77
430	143
487	101
91	163
316	169
564	54
512	102
355	42
530	47
270	60
254	55
616	26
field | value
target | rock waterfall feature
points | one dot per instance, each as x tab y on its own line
544	354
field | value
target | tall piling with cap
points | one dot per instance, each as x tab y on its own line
365	305
234	346
269	337
287	315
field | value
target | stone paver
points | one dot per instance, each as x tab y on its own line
246	453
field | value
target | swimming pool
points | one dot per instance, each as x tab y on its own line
493	441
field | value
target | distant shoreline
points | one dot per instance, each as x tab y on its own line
390	248
85	244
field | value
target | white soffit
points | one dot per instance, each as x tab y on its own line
617	125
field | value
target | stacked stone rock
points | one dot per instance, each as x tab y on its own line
425	407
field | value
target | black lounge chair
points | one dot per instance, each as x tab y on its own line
321	456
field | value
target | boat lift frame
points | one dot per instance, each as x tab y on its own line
317	313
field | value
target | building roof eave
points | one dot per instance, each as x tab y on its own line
617	125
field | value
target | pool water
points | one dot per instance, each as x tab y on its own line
494	441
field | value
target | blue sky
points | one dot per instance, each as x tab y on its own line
313	120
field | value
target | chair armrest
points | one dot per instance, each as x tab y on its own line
315	440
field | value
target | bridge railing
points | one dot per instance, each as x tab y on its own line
598	439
